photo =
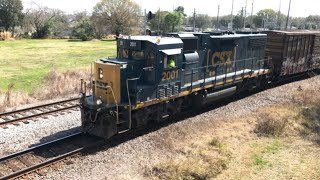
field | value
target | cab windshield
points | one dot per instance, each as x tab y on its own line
131	54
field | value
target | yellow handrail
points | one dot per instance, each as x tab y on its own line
129	100
114	97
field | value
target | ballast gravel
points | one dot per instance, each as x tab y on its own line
131	159
15	138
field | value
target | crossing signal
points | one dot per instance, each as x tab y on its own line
150	16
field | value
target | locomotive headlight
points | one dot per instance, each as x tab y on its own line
99	102
100	73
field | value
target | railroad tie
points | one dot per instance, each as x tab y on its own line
12	166
41	172
5	118
25	161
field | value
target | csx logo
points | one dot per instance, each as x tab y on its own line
219	57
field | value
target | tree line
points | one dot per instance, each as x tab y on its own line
264	19
126	17
107	17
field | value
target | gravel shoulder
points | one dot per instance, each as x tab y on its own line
135	158
16	138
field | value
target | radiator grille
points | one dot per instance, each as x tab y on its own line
169	90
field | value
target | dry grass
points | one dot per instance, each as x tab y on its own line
308	94
311	121
6	35
56	84
204	161
62	83
301	116
284	121
240	154
274	120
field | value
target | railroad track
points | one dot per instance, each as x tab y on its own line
34	159
23	115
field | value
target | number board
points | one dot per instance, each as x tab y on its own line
129	44
170	75
120	43
134	45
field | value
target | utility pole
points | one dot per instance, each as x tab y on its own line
288	15
251	16
145	22
241	25
218	17
159	16
179	22
245	15
194	20
232	16
279	14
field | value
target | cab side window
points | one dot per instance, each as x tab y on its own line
169	61
137	55
123	53
151	59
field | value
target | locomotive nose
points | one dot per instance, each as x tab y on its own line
107	84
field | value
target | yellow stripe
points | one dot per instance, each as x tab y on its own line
185	93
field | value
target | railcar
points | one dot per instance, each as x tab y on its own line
293	52
140	86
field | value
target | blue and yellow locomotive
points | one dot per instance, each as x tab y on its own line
153	78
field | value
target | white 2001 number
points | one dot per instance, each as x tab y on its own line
133	44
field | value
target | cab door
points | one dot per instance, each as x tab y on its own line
150	68
171	65
170	80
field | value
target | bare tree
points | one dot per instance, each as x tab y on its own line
43	19
117	15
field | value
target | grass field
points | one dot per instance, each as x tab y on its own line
26	62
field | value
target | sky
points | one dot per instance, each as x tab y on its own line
299	8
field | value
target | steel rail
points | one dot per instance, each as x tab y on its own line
49	161
4	158
12	113
36	107
36	115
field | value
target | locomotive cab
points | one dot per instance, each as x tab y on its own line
140	73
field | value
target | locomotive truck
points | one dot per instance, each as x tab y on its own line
140	86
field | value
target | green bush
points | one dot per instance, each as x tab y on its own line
43	32
84	30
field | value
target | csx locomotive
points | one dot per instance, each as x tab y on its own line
139	86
